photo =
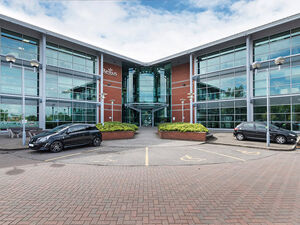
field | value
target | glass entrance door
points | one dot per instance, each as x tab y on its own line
146	118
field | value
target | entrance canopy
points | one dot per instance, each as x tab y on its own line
153	107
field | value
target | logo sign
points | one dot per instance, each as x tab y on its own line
109	72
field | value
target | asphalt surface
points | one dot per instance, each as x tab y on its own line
146	149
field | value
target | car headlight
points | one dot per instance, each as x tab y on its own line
43	139
293	135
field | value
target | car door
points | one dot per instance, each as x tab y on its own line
249	130
74	135
261	131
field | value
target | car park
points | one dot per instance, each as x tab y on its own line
66	136
258	131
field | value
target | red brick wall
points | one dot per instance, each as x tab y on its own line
180	88
112	85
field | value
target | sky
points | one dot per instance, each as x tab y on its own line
148	30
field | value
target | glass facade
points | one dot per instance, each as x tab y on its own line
148	88
70	86
222	88
24	49
284	79
70	83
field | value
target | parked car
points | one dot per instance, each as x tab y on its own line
258	131
65	136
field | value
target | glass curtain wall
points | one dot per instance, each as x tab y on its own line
24	49
70	86
284	80
222	88
147	85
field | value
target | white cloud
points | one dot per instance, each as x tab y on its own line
145	33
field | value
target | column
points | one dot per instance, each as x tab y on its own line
249	74
195	90
42	82
191	88
101	89
98	91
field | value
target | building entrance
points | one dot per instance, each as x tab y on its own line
146	118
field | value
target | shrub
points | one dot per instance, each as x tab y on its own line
182	127
116	126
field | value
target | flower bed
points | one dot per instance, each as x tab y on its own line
117	130
182	131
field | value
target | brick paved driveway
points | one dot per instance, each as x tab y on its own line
239	189
263	191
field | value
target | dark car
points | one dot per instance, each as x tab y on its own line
258	131
65	136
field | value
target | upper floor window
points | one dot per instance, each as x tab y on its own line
224	59
19	45
282	44
70	59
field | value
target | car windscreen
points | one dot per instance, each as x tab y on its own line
57	129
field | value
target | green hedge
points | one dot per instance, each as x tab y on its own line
182	127
116	126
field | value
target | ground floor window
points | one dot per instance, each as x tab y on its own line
60	112
223	114
285	111
11	112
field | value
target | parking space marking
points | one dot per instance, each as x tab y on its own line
228	156
61	157
248	153
191	159
146	157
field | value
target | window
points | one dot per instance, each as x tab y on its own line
224	59
248	126
260	126
76	128
70	59
19	45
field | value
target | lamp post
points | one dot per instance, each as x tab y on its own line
102	106
112	109
256	65
35	64
190	96
182	109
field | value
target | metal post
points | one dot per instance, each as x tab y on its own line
101	90
191	88
112	110
268	108
152	118
140	117
23	108
182	110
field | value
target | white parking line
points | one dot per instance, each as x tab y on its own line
216	153
146	157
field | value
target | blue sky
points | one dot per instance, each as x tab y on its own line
148	29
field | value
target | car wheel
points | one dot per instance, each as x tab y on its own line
56	146
280	139
96	141
240	137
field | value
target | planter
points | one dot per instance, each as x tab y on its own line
114	135
188	136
